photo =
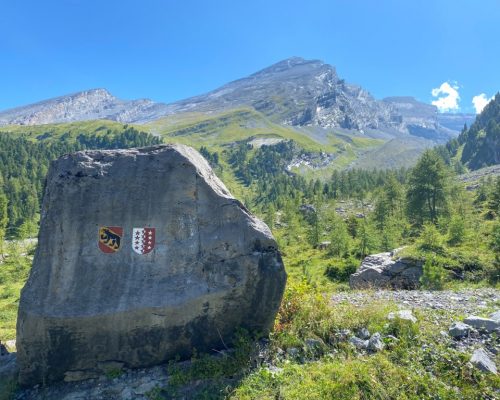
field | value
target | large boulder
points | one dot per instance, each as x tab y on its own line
143	256
386	271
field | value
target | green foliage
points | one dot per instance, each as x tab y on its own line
427	197
341	270
495	239
14	270
433	276
25	159
340	239
482	141
412	367
367	238
430	239
456	230
4	219
114	373
215	370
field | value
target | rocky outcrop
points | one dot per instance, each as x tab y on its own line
481	360
485	324
143	256
382	271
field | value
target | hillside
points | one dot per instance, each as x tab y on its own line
481	142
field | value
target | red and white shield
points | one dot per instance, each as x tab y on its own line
143	240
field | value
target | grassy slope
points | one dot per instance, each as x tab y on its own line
55	131
216	131
231	126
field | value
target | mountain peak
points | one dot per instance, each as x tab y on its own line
288	64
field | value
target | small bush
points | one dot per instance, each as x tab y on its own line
430	239
433	276
342	270
456	231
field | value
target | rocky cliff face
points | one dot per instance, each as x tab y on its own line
297	92
419	119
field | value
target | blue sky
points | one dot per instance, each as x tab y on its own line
169	50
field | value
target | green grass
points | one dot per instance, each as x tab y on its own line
55	131
415	366
13	273
219	130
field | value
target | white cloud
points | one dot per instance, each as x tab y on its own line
447	97
480	102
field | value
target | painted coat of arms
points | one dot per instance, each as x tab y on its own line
110	238
143	240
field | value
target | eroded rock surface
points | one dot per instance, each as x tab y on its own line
384	270
143	256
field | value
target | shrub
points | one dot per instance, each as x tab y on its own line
430	239
433	275
456	231
342	271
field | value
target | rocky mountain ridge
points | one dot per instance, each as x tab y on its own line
293	92
82	106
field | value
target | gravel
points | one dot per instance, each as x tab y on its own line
463	302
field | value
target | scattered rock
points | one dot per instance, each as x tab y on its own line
324	245
313	344
482	361
11	345
360	344
381	271
459	330
486	324
375	343
344	334
364	334
406	315
145	388
495	316
293	352
201	267
274	370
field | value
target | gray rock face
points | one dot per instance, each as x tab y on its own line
83	106
459	330
483	362
360	344
8	367
364	333
495	316
143	255
375	343
486	324
406	315
381	271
